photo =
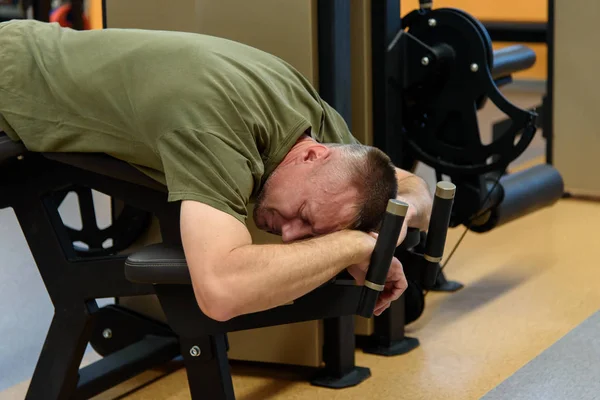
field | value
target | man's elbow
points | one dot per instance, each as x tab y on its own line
216	301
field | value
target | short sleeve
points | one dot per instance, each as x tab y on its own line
202	167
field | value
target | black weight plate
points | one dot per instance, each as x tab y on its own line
126	227
487	40
434	114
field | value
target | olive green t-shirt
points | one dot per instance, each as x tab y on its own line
208	117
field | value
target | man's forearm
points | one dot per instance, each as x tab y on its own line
260	277
415	191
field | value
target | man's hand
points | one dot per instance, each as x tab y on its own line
395	283
414	191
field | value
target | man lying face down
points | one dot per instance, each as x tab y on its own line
222	125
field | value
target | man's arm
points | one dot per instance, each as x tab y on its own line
231	276
413	190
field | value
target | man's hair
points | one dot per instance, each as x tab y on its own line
372	172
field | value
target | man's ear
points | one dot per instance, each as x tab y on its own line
316	152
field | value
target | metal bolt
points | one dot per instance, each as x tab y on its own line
432	22
474	67
425	61
107	333
195	351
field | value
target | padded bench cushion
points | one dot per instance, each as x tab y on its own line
104	164
158	263
166	264
95	162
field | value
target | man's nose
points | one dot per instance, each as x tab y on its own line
295	230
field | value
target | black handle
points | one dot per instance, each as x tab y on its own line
381	258
437	231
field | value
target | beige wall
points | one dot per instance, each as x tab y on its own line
577	96
286	29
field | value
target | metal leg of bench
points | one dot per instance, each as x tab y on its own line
389	338
207	367
57	371
338	353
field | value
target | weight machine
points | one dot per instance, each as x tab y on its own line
433	70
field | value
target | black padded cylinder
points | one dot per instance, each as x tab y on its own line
528	191
437	231
512	59
381	258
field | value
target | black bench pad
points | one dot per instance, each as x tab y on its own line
158	264
104	164
161	264
99	163
166	264
512	59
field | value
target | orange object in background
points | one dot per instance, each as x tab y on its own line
94	12
491	10
61	15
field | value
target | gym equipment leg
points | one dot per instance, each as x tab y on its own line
56	372
389	338
207	367
444	285
338	353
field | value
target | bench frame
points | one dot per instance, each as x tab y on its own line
75	282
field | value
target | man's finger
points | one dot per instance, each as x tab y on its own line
392	291
381	309
397	292
382	300
388	296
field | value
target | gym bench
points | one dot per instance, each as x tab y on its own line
29	184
